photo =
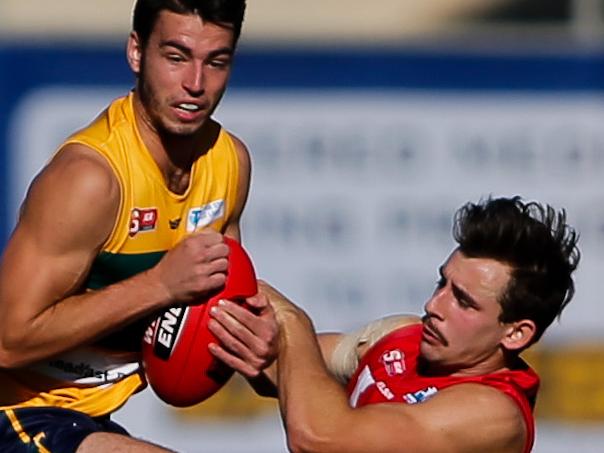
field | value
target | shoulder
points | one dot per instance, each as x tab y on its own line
242	151
484	416
216	132
70	208
244	165
78	186
78	167
239	146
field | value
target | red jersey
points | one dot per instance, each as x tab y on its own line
388	373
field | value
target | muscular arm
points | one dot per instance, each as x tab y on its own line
318	418
69	212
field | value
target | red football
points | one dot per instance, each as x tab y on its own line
179	367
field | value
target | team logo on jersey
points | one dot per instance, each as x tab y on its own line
394	362
420	396
204	215
142	219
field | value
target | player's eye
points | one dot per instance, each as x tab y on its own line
175	58
463	303
220	63
463	300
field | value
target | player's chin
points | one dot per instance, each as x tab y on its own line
430	350
184	129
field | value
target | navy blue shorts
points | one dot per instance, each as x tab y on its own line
49	429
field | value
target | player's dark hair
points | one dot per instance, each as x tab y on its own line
228	13
536	242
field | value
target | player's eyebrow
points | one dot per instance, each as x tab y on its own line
458	292
221	51
188	51
177	45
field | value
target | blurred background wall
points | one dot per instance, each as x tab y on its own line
328	21
369	123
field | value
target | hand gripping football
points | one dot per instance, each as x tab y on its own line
178	365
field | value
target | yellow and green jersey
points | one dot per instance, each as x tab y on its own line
98	379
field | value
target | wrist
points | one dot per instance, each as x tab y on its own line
154	285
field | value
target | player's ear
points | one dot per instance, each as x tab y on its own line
134	52
519	334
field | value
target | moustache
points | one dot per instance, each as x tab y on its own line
429	325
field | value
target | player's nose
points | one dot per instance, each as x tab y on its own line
435	306
193	80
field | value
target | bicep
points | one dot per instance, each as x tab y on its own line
67	215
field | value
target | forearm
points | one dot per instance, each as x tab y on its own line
78	319
314	405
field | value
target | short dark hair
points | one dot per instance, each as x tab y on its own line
535	241
221	12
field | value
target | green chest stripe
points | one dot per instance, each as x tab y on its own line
109	268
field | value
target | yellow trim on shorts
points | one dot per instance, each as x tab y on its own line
38	441
14	421
17	426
